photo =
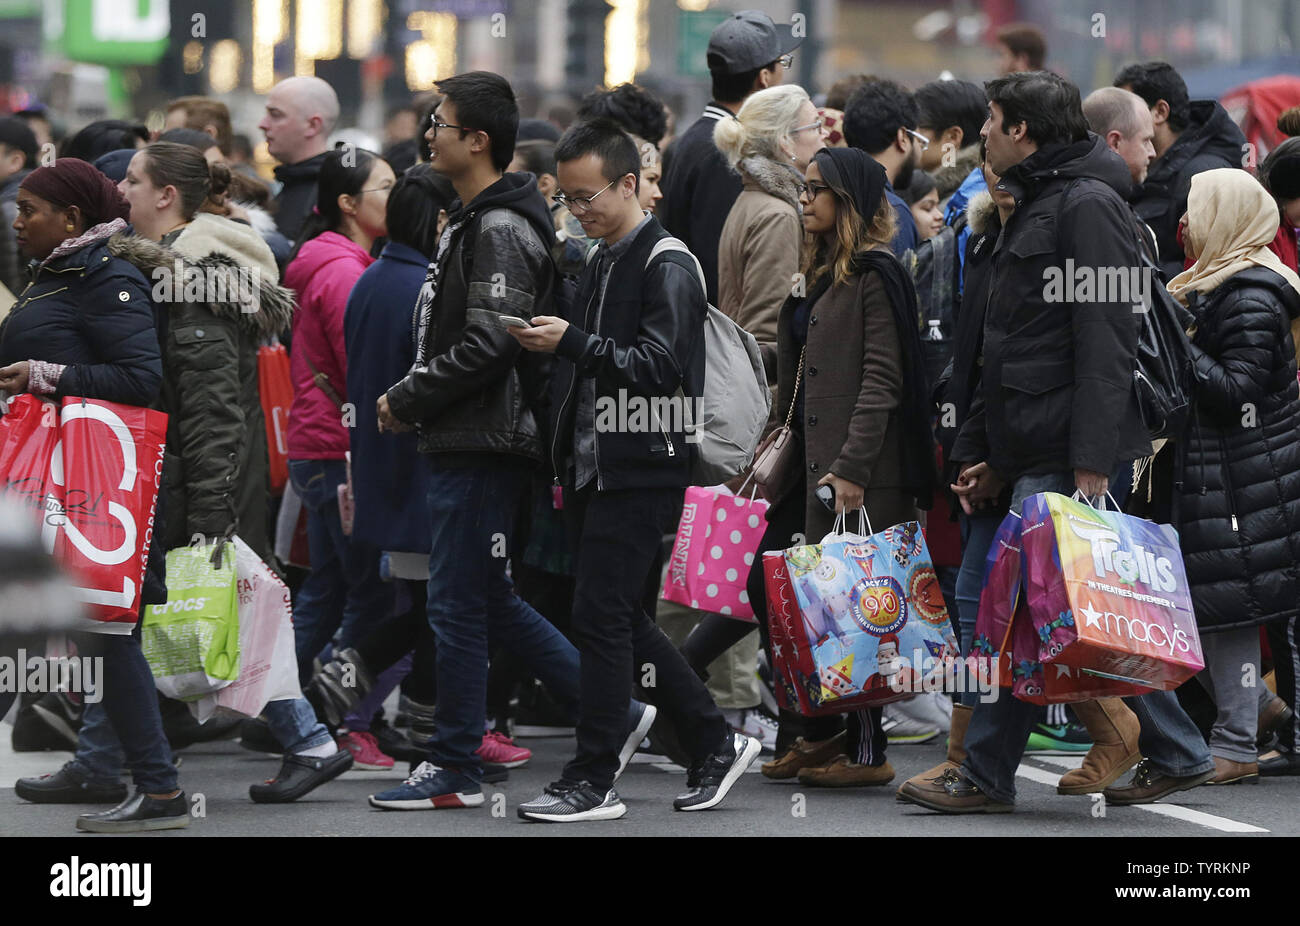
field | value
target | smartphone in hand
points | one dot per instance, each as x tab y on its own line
514	321
826	495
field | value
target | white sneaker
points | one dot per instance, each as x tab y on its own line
903	730
753	722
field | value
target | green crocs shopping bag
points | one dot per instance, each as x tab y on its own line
192	641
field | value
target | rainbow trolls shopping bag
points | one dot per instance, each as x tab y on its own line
1107	593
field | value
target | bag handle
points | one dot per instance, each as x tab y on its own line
841	523
322	382
794	396
1101	500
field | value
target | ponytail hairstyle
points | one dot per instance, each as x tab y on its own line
335	179
764	120
201	186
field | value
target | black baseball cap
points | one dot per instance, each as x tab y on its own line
17	134
748	41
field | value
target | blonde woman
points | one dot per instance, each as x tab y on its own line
770	142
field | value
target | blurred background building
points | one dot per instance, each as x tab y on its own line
87	59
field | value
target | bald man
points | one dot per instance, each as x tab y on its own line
300	114
1124	122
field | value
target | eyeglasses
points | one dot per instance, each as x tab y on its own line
377	189
447	125
813	188
925	142
786	61
579	205
811	125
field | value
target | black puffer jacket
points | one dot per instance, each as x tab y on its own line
1057	378
1237	494
1210	140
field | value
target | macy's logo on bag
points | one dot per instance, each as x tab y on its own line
1135	629
1138	564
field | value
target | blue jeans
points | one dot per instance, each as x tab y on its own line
293	723
99	757
343	592
977	537
472	513
995	740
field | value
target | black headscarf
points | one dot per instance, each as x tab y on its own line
859	180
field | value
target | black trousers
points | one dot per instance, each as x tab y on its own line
398	635
618	536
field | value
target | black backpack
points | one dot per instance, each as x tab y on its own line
1163	375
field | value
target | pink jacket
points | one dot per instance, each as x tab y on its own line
322	275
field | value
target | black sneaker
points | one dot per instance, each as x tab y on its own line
183	729
709	781
67	787
539	715
32	733
255	734
395	743
139	813
566	801
61	712
299	775
339	686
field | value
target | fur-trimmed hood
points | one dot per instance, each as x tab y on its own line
774	178
222	263
947	179
981	213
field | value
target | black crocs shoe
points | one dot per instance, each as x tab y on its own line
299	775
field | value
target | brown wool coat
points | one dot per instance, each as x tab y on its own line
853	389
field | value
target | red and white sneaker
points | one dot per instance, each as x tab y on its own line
499	749
366	753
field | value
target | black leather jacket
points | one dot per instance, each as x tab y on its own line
479	392
639	334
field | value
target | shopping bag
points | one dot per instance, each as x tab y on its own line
1108	594
275	388
717	538
990	655
192	642
1048	683
291	543
101	495
268	669
797	687
873	618
29	432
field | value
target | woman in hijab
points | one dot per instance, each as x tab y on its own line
1236	496
849	363
85	326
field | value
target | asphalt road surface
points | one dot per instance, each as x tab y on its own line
222	771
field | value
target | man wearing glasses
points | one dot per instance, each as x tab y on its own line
472	394
747	53
881	118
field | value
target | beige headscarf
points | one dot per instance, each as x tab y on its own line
1231	220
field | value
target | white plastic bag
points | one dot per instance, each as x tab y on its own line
268	662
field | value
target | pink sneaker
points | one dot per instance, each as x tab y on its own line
365	751
500	749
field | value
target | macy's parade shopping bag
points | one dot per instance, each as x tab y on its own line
717	538
192	641
873	617
1107	593
795	674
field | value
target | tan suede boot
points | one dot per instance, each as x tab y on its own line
1114	729
961	715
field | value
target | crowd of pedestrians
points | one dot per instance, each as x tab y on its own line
457	308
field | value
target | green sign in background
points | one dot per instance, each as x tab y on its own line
693	30
115	32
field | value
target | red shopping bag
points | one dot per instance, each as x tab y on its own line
29	432
797	685
276	390
103	490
